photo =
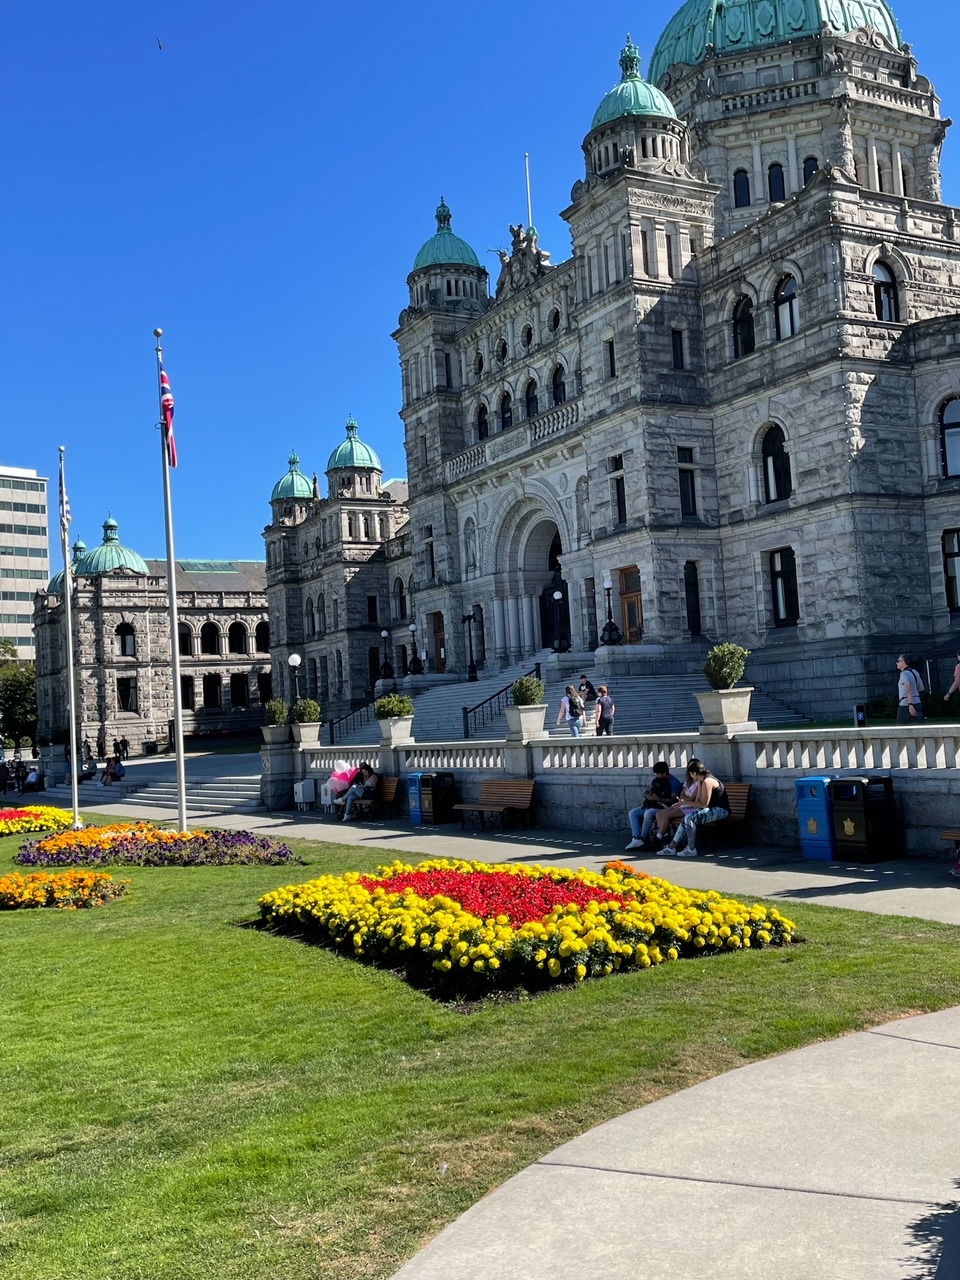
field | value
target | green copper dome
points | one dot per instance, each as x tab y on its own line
632	96
294	484
110	555
56	582
752	24
353	453
445	249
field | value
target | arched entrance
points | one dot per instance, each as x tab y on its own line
541	566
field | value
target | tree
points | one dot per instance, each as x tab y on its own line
18	700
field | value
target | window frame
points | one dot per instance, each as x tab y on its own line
775	465
948	446
784	587
776	178
742	312
951	581
786	307
741	188
886	295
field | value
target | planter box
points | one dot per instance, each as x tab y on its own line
274	734
396	732
726	708
307	734
525	722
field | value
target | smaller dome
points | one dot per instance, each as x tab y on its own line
445	249
110	555
294	484
56	582
353	454
633	96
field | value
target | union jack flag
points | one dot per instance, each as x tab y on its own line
166	407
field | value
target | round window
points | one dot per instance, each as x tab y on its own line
554	320
527	336
502	350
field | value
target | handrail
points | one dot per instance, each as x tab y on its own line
493	706
362	715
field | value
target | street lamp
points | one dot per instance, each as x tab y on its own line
611	633
468	620
294	664
416	666
560	644
386	671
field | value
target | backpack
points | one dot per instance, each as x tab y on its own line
576	705
921	688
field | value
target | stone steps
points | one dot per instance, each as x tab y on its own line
221	795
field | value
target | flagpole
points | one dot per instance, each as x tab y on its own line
74	761
172	604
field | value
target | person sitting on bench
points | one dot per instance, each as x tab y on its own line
711	802
365	785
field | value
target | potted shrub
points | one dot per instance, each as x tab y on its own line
725	705
306	721
276	729
526	715
395	713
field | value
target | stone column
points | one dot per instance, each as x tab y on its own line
759	187
897	167
278	772
529	641
499	631
793	168
873	169
513	628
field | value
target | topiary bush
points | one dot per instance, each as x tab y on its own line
725	665
277	711
306	711
393	705
528	691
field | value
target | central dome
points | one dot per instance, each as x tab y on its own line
753	24
353	454
632	96
110	555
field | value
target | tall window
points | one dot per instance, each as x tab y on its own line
559	386
950	437
620	500
309	619
691	597
744	338
239	690
209	638
775	183
885	300
125	641
399	600
184	640
264	686
687	478
483	423
810	167
373	610
530	399
786	308
741	189
610	358
127	693
951	567
237	635
321	614
783	587
506	412
431	557
212	691
187	694
776	466
263	637
676	337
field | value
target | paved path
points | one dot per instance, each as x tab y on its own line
840	1161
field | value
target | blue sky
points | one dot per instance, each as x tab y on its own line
259	188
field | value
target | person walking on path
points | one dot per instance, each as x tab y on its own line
909	689
588	696
606	710
956	680
711	805
571	710
661	793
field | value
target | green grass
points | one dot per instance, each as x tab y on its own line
183	1098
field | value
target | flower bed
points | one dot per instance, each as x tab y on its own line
141	844
464	925
33	817
65	890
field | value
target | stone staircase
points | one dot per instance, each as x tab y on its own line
645	704
206	795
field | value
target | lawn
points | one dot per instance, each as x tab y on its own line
185	1098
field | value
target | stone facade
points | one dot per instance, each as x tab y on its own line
122	652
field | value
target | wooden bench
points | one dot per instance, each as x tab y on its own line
382	800
954	838
499	796
738	794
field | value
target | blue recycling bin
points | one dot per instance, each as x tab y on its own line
815	812
415	798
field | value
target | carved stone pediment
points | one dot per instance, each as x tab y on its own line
524	263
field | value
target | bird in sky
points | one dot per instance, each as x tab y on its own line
159	44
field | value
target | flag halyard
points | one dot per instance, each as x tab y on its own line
166	408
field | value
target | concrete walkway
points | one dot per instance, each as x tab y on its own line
839	1161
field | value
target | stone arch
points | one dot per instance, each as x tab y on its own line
774	274
514	518
894	259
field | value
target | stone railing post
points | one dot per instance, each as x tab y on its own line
280	767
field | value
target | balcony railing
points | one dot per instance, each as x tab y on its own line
551	422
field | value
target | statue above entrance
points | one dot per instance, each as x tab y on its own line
525	262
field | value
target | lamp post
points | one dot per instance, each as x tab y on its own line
468	621
294	664
416	666
560	644
386	671
611	634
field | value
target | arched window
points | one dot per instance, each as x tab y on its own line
382	527
554	320
506	412
810	167
775	183
950	437
559	385
399	600
483	423
366	528
126	641
530	399
237	638
502	350
744	338
321	614
309	619
741	189
351	526
184	640
262	637
776	466
885	300
209	638
786	308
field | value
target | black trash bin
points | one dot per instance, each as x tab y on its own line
438	795
865	823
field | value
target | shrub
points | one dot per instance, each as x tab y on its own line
9	744
528	691
141	844
277	711
26	742
306	711
725	665
392	705
460	926
66	891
